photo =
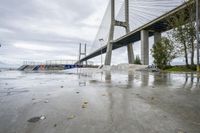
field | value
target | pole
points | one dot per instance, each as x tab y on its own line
86	54
197	33
101	40
101	55
79	53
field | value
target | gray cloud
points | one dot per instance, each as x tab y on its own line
59	24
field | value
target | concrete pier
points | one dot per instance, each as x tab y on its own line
145	47
129	46
130	54
157	37
111	35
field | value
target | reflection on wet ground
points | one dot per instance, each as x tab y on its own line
100	102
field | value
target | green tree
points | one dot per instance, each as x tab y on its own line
183	31
137	60
191	36
163	52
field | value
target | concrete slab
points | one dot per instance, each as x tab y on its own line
114	102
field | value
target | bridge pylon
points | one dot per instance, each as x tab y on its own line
114	23
82	53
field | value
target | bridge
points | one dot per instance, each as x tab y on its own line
152	27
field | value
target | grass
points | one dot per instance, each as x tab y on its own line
180	69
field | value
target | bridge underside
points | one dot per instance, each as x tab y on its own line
158	25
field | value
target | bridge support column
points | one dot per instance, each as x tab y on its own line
108	54
157	37
129	46
111	35
145	47
130	54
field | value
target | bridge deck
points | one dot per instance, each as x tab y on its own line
159	24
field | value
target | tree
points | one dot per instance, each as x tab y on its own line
183	32
163	53
191	36
137	60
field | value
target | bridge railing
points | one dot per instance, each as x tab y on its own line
59	62
32	63
54	62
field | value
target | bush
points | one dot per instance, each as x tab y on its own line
163	53
137	60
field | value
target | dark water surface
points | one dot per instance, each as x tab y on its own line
95	102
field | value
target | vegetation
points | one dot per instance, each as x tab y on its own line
180	69
180	41
183	33
137	60
163	53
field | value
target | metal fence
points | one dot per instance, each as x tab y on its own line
54	62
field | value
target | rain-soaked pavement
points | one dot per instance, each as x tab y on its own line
111	102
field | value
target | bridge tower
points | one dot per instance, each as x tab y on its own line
82	52
114	23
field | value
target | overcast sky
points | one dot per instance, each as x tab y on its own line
39	30
47	29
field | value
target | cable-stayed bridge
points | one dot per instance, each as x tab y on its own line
140	19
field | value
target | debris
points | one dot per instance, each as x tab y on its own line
180	131
33	99
103	95
46	101
55	125
42	118
93	81
61	86
36	119
152	98
196	123
71	117
77	92
83	106
86	102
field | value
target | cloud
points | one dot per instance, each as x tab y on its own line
35	47
47	29
51	29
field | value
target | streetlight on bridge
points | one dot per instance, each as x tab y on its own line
101	40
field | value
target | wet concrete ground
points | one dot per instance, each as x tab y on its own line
111	102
